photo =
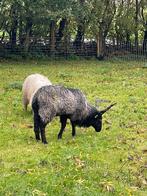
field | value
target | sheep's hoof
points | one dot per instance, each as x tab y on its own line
45	142
59	137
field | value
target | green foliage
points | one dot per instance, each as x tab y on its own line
112	162
97	15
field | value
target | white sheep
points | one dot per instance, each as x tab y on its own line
31	84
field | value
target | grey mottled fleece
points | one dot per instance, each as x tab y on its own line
58	100
51	101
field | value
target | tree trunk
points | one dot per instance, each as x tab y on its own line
136	25
29	25
79	36
145	40
52	38
79	40
14	27
127	38
66	41
128	41
60	32
20	31
117	36
100	46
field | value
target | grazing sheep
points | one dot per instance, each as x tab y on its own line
31	84
51	101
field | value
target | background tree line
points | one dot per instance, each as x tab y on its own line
62	26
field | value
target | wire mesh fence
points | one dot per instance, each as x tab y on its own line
67	48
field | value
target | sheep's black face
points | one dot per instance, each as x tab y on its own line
96	119
97	122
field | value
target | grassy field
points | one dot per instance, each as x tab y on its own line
112	162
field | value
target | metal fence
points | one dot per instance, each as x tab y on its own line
40	48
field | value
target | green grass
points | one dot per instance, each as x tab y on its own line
112	162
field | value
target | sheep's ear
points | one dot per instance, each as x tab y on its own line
105	110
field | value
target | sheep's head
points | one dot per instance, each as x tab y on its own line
96	121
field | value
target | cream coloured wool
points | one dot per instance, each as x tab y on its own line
30	86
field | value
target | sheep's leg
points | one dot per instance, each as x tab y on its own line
63	121
25	103
36	126
73	129
42	129
25	107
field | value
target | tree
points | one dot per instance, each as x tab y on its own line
81	14
55	24
144	22
102	15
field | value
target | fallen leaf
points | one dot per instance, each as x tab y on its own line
79	163
107	186
144	151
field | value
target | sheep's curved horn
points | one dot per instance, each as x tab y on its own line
105	110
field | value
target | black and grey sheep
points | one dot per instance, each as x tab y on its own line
31	84
51	101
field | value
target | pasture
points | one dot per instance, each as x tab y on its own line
112	162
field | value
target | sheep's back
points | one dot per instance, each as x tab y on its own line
32	83
58	100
